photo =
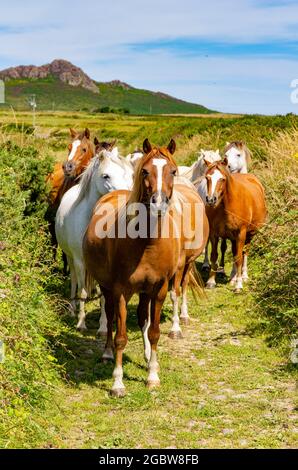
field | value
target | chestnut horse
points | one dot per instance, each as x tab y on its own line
128	253
236	209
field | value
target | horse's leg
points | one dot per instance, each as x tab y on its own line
206	264
211	283
175	332
233	275
120	311
64	258
223	249
184	317
154	334
144	323
73	287
239	259
109	311
103	328
82	293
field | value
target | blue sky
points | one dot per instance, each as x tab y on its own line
233	56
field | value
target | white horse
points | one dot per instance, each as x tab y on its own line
134	157
106	172
238	156
198	168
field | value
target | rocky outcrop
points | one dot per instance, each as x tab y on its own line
123	85
62	69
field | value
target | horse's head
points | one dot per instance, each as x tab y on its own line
216	176
113	172
154	177
81	150
237	156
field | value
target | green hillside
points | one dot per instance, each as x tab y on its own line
52	94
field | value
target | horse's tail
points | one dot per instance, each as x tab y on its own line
196	283
90	284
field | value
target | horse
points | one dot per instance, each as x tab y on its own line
238	156
104	173
65	174
195	175
128	253
134	157
236	210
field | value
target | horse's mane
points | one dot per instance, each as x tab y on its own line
86	176
137	190
239	144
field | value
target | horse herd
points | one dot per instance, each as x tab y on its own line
136	224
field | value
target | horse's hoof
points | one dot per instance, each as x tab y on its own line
175	335
102	334
152	384
117	392
185	320
205	268
210	286
237	290
107	356
82	327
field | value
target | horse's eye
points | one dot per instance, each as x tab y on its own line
105	176
174	172
238	154
84	150
145	172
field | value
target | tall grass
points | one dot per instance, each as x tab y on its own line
276	285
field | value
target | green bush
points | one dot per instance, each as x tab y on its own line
29	325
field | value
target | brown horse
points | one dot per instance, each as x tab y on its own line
133	245
236	209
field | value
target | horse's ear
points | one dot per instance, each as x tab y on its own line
87	133
101	155
147	146
217	151
113	143
225	161
72	132
207	163
227	143
172	146
96	141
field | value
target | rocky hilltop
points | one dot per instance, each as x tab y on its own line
62	69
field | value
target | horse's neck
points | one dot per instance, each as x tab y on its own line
231	192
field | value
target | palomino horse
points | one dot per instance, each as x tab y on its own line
236	209
128	253
104	173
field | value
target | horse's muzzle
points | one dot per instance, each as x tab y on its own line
68	168
159	203
211	200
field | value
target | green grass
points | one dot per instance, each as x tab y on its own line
52	94
223	385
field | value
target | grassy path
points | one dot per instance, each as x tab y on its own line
221	387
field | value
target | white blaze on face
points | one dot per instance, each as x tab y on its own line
74	147
215	177
159	163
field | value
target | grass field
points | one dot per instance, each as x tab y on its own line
227	383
